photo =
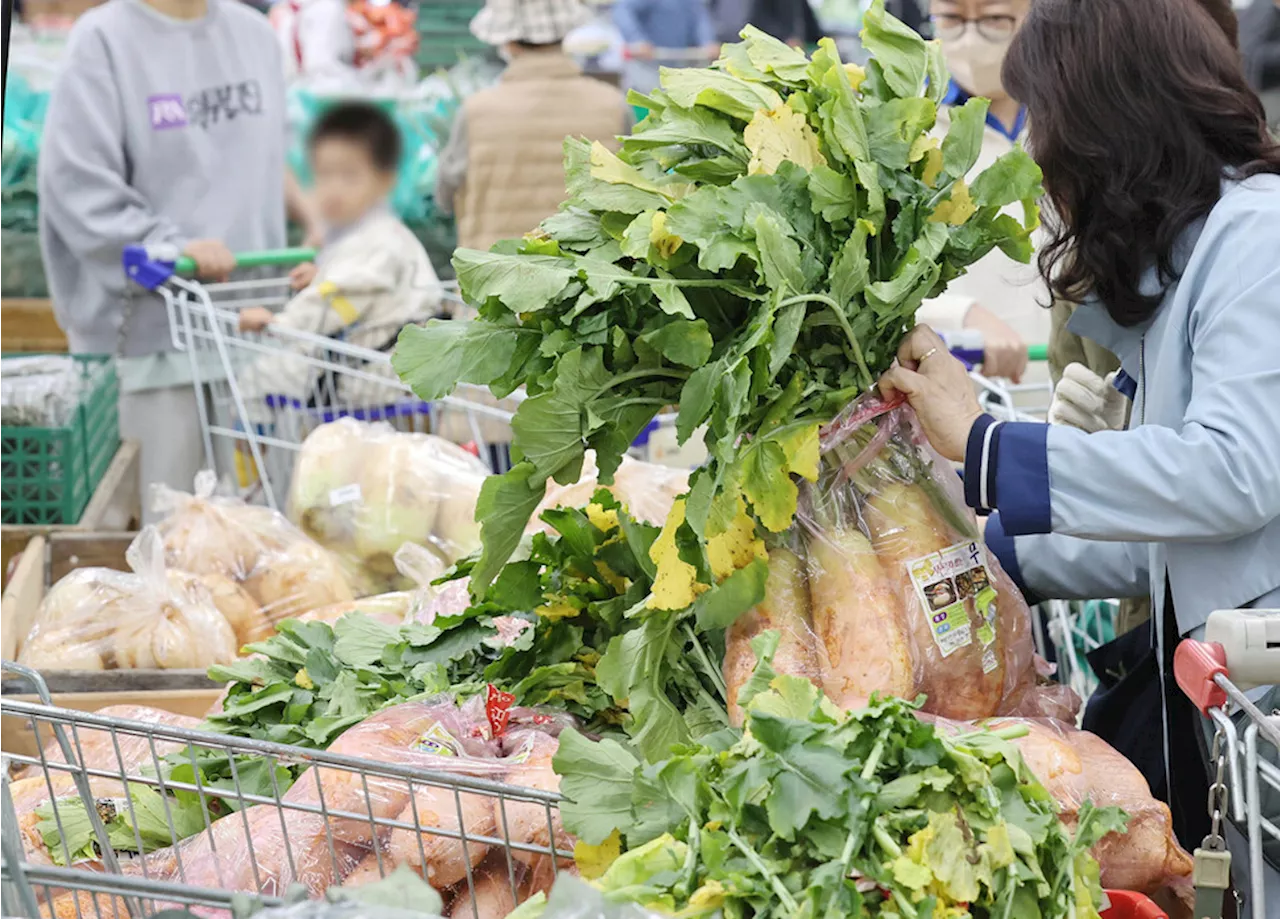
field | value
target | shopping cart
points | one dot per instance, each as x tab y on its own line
252	431
99	768
1241	650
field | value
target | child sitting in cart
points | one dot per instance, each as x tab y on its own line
372	276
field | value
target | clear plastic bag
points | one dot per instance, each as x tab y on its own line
904	597
356	843
247	556
1077	766
40	390
365	489
147	618
646	490
419	566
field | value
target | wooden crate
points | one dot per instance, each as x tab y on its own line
27	326
116	506
46	559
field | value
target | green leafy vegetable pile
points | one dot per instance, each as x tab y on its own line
816	813
146	821
753	254
564	625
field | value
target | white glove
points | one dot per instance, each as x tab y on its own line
1086	401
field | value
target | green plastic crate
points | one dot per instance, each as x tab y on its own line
48	475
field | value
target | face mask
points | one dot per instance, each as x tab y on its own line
975	62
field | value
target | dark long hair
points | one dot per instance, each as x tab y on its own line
1136	109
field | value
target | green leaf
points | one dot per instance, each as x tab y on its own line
504	507
690	126
779	254
845	124
894	126
1013	177
682	342
719	91
963	143
433	359
587	191
697	399
360	640
834	194
898	49
851	269
524	283
596	779
775	57
721	606
671	299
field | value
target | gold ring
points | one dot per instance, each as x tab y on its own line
928	354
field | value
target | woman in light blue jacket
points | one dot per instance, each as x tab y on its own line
1165	187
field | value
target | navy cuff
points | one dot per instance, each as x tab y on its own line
1002	546
1022	477
979	465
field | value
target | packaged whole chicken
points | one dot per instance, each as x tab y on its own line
365	489
646	490
1077	766
886	566
259	568
147	618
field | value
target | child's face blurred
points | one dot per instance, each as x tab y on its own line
348	183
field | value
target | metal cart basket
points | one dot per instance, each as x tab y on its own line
252	834
251	427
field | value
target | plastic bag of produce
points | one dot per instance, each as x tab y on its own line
905	598
1077	766
418	565
363	490
150	617
228	544
646	490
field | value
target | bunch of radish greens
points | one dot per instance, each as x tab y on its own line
753	254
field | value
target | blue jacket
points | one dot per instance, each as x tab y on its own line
664	23
1192	490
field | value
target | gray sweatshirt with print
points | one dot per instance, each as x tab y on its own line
158	131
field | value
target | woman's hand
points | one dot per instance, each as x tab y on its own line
1004	351
302	275
938	388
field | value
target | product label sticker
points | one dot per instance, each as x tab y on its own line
947	584
497	708
345	495
436	741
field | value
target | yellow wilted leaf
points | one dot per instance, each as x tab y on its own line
920	146
737	547
802	448
856	75
601	519
932	166
303	679
666	243
706	899
675	585
594	861
608	167
778	135
958	208
611	577
556	610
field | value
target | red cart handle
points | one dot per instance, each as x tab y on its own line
1196	666
1125	904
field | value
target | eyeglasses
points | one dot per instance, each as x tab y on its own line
992	28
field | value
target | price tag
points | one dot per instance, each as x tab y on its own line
345	495
947	584
497	708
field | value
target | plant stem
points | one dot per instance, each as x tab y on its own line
639	375
717	678
779	888
873	761
838	312
886	841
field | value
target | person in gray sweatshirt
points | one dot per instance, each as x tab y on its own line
166	126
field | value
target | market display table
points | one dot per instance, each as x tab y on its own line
46	559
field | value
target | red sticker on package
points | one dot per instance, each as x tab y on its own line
497	708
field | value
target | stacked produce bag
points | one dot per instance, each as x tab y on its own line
364	490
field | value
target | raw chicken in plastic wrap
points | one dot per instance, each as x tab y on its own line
99	748
365	489
372	824
148	618
902	595
646	490
260	567
1077	766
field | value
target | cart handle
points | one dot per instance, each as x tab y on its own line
972	357
1197	666
152	266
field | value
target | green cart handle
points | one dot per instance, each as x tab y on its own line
268	259
1038	353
